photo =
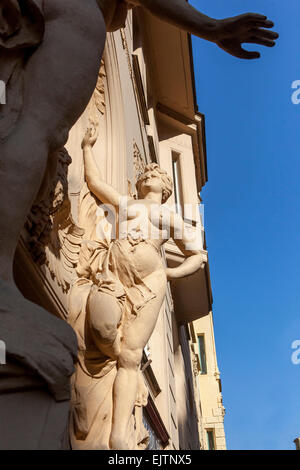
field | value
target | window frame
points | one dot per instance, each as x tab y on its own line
202	354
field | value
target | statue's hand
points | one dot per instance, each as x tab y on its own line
90	137
248	28
190	265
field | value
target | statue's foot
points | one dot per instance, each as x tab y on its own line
37	340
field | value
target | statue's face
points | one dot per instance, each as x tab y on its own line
151	182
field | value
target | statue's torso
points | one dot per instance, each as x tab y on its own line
114	11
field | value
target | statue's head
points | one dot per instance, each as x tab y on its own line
154	179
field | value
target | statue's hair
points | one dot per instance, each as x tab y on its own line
167	181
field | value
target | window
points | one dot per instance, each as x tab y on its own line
210	439
154	442
177	182
202	355
158	434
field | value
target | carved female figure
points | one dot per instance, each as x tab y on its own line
128	282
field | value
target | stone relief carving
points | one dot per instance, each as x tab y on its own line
99	93
55	239
117	282
139	162
114	305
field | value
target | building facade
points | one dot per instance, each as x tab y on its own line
145	107
211	399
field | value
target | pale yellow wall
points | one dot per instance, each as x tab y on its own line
209	384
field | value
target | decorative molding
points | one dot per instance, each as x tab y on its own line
99	93
115	138
140	89
195	362
39	223
128	55
139	162
54	238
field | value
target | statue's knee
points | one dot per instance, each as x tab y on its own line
104	315
130	359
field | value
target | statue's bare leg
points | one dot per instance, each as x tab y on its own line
60	77
135	338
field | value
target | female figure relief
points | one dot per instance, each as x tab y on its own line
127	285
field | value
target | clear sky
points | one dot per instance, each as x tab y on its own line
252	219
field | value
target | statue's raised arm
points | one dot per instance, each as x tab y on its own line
103	191
228	34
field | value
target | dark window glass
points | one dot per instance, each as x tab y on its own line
177	182
210	440
202	354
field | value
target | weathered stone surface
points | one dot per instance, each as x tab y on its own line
36	340
33	420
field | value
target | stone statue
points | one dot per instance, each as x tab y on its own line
50	58
115	303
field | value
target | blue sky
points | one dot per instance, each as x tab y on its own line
252	219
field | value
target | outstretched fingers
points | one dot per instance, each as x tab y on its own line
248	28
260	24
264	33
256	20
262	37
261	41
253	16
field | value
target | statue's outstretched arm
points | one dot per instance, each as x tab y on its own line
228	34
189	242
103	191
